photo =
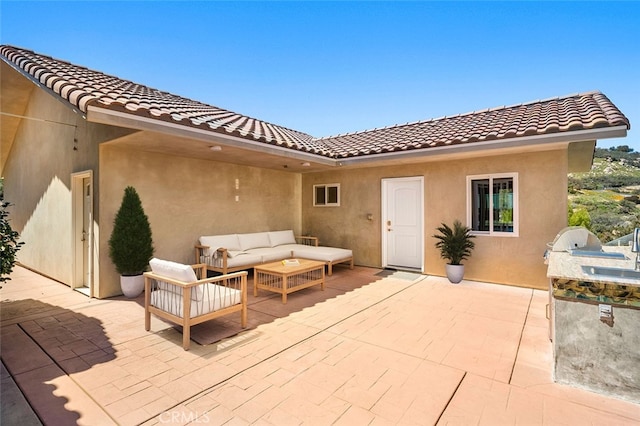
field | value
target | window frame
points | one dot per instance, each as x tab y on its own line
516	203
327	188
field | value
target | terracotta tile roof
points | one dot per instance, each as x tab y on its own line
577	112
82	87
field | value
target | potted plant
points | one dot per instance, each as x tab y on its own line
131	245
455	245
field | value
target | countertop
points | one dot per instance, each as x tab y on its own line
564	265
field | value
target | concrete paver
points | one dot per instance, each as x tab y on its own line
15	409
395	351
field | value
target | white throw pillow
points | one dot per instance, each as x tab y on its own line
279	238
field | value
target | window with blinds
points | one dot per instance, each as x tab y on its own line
492	204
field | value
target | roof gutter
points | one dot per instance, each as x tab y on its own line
470	148
122	119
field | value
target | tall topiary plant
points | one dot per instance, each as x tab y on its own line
131	244
9	244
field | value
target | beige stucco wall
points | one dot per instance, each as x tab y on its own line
38	182
510	260
185	198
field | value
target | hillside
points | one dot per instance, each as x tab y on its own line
606	199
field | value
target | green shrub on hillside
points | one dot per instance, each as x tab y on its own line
580	217
607	194
617	153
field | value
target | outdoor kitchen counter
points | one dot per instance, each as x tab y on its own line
594	322
564	265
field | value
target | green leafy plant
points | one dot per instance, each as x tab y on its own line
579	217
9	244
131	244
455	243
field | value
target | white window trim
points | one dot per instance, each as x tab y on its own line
516	204
326	187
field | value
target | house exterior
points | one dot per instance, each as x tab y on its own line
74	138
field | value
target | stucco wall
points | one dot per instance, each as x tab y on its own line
38	182
185	198
516	261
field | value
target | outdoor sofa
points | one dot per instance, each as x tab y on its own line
237	252
173	289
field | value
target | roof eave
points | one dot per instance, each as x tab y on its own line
546	141
44	87
132	121
539	141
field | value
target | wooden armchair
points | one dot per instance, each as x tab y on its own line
173	289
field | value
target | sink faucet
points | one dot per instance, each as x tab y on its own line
635	247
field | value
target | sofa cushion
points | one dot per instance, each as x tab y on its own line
175	271
244	259
279	238
254	240
323	254
233	253
271	254
229	241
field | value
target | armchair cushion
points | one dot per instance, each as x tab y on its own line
175	271
216	297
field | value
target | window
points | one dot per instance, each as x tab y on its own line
326	195
492	204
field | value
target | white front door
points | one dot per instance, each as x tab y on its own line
402	224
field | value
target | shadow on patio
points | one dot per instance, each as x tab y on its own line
42	345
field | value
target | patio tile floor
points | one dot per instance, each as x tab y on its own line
392	351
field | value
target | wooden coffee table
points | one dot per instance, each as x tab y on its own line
287	278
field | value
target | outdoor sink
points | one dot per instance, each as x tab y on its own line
598	253
611	272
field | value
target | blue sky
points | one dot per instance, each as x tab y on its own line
327	68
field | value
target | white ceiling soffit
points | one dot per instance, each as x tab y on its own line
116	118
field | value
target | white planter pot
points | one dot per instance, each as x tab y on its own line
132	286
454	273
